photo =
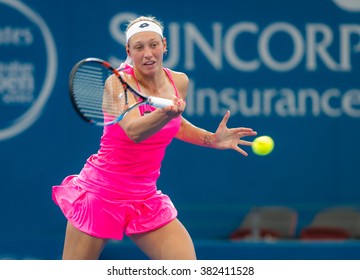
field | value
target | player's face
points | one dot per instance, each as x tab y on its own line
146	50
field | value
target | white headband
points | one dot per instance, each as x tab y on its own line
142	26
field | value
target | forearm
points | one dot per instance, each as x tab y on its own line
140	128
194	135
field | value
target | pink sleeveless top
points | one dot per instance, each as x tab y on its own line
123	169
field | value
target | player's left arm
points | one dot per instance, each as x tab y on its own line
223	138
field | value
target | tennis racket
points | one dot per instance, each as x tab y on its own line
100	95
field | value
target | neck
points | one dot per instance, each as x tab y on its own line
151	83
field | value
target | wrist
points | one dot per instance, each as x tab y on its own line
209	140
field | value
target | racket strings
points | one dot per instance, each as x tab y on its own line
95	100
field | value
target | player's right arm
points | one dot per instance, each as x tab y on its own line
138	128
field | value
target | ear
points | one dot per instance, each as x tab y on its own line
165	45
127	50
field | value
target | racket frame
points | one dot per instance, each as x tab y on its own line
150	100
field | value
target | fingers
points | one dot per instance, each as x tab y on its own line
180	103
241	151
177	109
225	119
245	143
242	132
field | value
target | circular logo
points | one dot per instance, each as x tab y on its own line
348	5
28	66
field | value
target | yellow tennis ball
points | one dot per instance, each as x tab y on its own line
263	145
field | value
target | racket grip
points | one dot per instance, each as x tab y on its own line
160	102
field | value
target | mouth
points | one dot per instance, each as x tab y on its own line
149	63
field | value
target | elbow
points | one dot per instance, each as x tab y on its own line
136	137
136	133
131	132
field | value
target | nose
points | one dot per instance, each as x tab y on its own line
147	52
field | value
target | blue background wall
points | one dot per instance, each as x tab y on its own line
287	69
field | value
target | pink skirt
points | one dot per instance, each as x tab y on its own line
104	217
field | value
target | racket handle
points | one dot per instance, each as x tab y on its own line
159	102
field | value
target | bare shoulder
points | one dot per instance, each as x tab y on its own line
111	80
181	81
179	76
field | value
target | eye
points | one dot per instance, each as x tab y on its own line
138	47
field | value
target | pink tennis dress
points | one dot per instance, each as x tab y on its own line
116	191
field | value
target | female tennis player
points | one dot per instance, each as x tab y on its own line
116	193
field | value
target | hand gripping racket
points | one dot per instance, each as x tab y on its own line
100	95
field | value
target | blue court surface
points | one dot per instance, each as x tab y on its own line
49	249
